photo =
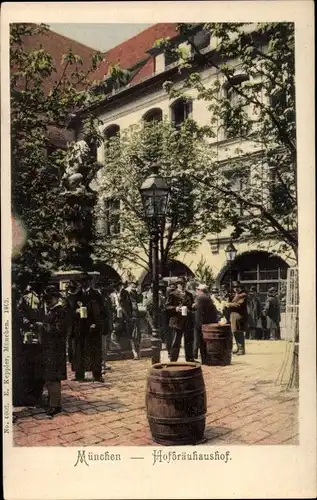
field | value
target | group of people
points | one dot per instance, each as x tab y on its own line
80	322
186	306
70	324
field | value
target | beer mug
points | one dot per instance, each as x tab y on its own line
28	338
83	312
184	310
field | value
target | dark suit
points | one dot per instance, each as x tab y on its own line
87	344
181	324
205	313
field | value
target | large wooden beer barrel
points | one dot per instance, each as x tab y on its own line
218	340
28	378
176	403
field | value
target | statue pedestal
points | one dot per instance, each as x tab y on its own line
121	348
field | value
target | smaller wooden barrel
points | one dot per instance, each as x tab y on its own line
218	339
176	403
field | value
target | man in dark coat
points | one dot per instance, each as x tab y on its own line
87	345
238	315
273	314
205	313
108	326
254	314
122	307
54	349
133	320
73	291
180	303
224	296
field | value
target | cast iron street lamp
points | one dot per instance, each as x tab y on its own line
154	193
231	254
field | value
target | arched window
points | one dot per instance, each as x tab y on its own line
180	110
153	115
261	270
108	222
111	131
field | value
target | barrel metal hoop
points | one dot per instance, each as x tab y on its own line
172	420
176	379
175	395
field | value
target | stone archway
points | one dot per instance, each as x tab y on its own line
173	268
257	268
108	275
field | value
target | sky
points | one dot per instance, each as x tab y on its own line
98	36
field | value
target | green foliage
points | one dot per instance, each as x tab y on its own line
37	166
204	273
251	99
128	161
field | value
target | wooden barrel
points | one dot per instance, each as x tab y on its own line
218	339
28	378
176	403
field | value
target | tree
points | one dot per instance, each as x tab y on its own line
129	158
204	273
251	98
37	165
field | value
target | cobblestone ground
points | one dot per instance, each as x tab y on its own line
244	406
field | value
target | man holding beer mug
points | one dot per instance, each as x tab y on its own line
179	304
90	311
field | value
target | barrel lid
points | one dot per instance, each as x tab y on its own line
173	369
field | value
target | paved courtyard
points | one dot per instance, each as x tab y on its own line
245	406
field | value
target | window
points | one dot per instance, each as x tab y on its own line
111	131
93	152
201	40
235	123
261	270
236	183
180	111
278	98
153	115
170	56
111	217
280	199
51	149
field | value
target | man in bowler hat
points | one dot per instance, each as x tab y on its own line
179	304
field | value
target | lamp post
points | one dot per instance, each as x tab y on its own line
154	193
231	254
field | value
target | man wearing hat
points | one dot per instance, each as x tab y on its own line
224	296
179	304
254	313
54	348
205	313
87	347
272	312
133	322
238	315
217	301
73	290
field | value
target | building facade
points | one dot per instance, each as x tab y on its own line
143	98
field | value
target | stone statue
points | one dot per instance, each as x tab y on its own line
81	168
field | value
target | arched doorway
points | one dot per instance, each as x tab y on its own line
260	269
172	269
108	275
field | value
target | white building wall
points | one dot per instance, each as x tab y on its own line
131	111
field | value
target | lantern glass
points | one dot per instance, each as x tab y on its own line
231	252
154	192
